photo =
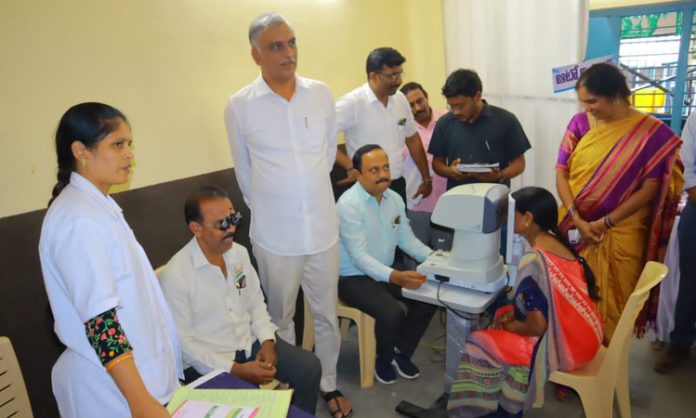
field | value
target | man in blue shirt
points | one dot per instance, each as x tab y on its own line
373	223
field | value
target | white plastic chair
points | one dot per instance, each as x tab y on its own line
606	375
14	400
367	344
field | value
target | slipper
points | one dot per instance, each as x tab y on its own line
333	396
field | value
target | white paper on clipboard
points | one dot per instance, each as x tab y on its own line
476	168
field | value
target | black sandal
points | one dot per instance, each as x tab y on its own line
334	395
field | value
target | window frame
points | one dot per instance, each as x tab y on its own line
605	35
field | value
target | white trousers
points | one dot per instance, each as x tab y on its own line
281	277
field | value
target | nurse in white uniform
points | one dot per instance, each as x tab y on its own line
122	356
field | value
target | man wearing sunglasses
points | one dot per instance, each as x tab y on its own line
216	300
377	113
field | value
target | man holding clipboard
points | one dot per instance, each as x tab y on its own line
476	142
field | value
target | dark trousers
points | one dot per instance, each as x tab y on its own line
399	186
393	327
684	333
297	367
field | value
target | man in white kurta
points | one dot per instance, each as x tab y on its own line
282	134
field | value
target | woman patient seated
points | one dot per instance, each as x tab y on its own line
552	312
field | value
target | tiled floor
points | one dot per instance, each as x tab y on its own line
652	395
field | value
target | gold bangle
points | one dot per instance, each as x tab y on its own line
118	359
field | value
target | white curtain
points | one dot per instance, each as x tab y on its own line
513	45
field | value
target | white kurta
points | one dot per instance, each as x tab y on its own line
283	153
91	263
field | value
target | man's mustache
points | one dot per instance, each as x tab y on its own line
228	235
383	180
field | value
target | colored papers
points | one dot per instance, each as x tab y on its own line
200	409
269	403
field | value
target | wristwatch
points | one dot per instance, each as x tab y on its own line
502	178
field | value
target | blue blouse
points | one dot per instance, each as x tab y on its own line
528	297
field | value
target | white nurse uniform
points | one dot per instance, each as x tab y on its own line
92	263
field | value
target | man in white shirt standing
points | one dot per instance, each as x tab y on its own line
217	304
282	134
683	336
378	113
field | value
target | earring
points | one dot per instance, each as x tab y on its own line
83	162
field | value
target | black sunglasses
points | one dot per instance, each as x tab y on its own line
233	219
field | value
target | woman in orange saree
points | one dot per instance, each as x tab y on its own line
552	312
619	179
